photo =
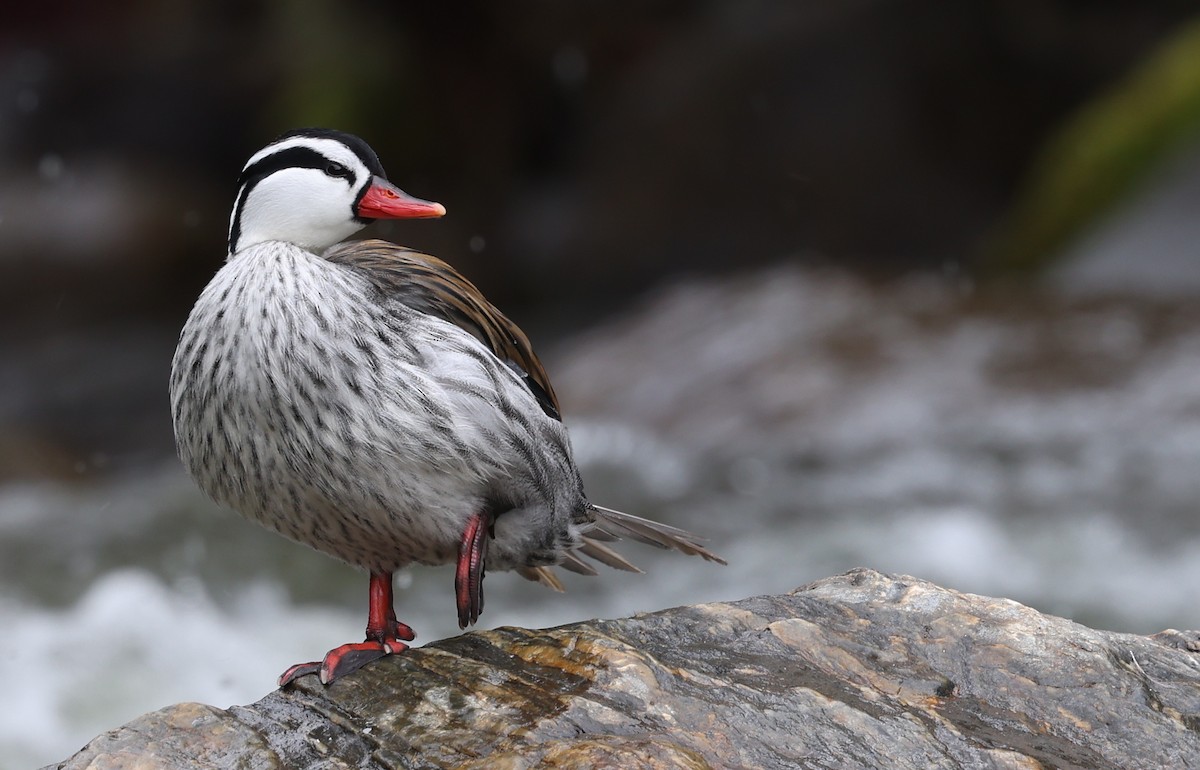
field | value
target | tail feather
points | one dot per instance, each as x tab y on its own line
609	526
572	562
543	575
599	534
605	555
653	533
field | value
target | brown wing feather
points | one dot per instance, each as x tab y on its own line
431	286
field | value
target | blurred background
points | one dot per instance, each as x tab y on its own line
903	284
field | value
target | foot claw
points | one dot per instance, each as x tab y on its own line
348	658
297	671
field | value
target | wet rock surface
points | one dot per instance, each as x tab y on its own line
859	670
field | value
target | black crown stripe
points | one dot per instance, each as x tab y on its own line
353	143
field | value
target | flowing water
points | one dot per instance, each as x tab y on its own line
1027	445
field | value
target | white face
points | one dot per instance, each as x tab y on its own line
301	190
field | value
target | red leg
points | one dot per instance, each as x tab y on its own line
382	625
468	574
385	636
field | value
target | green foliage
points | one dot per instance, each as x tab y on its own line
1101	153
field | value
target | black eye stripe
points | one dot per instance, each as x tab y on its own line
352	143
292	157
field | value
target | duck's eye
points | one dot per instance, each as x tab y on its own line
337	170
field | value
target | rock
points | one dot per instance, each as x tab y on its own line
863	670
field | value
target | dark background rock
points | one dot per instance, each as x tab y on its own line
863	670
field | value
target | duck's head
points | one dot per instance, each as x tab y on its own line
314	187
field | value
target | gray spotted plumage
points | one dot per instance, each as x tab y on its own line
368	401
339	416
